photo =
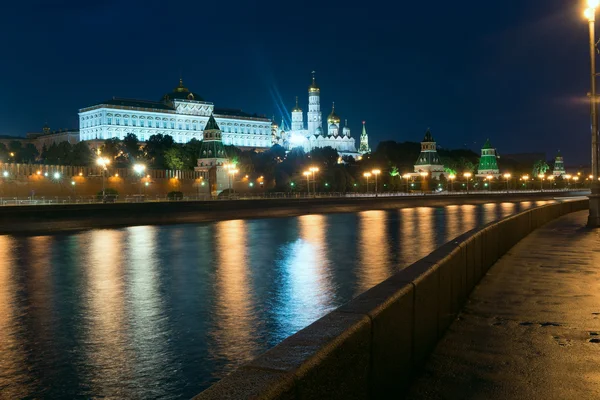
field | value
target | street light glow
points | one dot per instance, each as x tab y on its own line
507	176
452	176
139	168
5	174
367	174
467	175
376	172
56	175
593	3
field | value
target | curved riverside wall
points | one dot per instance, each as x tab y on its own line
372	346
39	219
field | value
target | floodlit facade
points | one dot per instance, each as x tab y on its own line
311	135
429	160
559	165
181	114
488	163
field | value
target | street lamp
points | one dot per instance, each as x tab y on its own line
139	169
541	176
594	216
407	177
525	178
314	170
507	177
468	176
232	172
5	174
307	175
367	175
103	163
489	179
451	177
424	176
568	178
376	172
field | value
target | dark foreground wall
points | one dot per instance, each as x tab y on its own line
55	218
372	346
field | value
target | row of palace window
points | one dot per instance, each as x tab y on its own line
168	124
181	139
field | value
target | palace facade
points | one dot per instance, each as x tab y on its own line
181	114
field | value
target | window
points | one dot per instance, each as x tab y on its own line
165	124
109	120
133	122
180	126
187	126
194	126
118	121
172	124
142	137
142	123
126	121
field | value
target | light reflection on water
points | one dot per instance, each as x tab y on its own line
162	312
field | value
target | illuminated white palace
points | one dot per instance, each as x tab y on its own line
181	114
312	136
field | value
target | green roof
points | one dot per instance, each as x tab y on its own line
428	137
428	158
115	101
211	124
487	145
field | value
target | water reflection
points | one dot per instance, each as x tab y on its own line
109	367
234	308
161	312
374	250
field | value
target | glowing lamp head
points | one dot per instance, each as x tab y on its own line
590	14
423	174
56	175
506	176
73	183
376	172
306	173
5	174
593	3
367	174
406	176
467	174
452	176
139	168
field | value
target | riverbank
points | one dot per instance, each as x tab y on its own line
72	217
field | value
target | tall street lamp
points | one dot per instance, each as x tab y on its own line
489	179
314	170
467	175
307	175
541	176
232	172
594	216
507	177
103	163
376	172
452	177
423	176
367	175
525	179
139	169
407	177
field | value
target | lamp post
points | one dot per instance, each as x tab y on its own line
407	177
451	177
541	176
568	178
139	169
307	175
551	180
314	170
525	179
103	163
489	179
376	172
594	216
232	173
367	175
507	177
423	177
467	175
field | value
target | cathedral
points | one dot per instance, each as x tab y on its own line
311	135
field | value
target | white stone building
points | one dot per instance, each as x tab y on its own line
312	135
181	114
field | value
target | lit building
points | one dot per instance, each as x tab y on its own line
488	163
212	158
364	141
559	165
429	160
311	135
181	114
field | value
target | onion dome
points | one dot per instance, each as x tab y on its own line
296	109
319	131
182	93
313	88
333	118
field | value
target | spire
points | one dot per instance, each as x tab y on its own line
180	87
364	140
428	137
346	123
313	88
297	108
211	124
487	145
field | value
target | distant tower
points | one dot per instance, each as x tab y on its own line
429	160
314	107
297	118
212	158
46	129
346	130
333	122
364	140
488	163
559	165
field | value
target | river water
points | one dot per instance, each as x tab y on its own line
164	311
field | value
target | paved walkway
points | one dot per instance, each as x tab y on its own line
531	328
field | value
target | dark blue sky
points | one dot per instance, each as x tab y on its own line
514	70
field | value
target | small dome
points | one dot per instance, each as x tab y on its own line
333	118
296	109
182	93
314	88
319	131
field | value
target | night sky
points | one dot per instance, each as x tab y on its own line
515	71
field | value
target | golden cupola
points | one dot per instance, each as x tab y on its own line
313	88
297	108
333	117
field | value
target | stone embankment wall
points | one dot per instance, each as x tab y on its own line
372	346
38	219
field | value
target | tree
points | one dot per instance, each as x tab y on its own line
540	167
64	150
130	147
81	154
155	149
111	148
15	148
326	156
30	153
174	158
3	152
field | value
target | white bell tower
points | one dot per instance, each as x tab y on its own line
314	107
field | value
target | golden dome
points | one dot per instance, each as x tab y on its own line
296	109
333	117
313	88
181	88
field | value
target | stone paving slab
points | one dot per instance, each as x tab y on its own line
531	328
